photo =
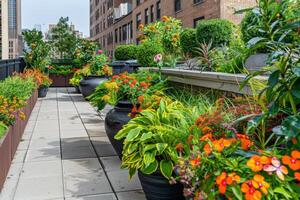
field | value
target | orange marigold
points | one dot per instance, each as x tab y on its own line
292	161
256	163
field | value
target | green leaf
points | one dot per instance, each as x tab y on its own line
151	168
296	93
296	71
146	136
274	78
161	147
166	168
149	157
132	172
237	192
281	190
134	133
255	41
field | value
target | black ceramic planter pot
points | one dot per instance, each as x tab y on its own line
88	84
77	90
115	119
42	92
157	187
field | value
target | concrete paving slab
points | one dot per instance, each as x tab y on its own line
103	146
86	165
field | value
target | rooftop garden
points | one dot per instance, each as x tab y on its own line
187	143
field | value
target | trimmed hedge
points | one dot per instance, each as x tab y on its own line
219	31
126	52
188	41
146	53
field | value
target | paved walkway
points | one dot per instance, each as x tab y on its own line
65	155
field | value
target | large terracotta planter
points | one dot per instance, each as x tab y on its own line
88	84
115	119
157	187
10	141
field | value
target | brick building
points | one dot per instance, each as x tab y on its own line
115	22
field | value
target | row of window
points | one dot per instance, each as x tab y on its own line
149	15
177	4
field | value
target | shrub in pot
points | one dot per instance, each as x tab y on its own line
94	74
127	93
126	52
150	142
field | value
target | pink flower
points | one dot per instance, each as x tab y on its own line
100	51
276	167
158	58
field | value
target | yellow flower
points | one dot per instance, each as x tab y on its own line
106	98
111	85
165	19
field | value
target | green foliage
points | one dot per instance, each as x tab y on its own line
188	42
150	138
61	70
126	52
85	51
17	87
63	39
37	55
146	53
3	129
248	28
219	31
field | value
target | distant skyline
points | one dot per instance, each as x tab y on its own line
45	12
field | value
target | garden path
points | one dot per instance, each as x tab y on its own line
66	155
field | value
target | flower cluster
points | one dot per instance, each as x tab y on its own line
41	79
10	109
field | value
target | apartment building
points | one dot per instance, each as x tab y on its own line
14	29
3	29
115	22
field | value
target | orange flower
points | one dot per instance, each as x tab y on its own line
179	147
256	163
196	161
297	176
207	149
190	138
246	143
141	99
261	183
223	180
220	144
207	130
292	161
207	137
250	192
141	27
165	19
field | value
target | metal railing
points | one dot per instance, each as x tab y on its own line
8	67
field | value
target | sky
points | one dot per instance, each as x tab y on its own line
45	12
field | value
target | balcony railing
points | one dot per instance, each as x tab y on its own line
8	67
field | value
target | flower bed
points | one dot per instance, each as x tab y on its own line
10	141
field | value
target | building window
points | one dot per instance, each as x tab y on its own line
131	30
116	36
198	1
124	32
146	16
197	20
177	4
158	10
120	34
138	2
152	13
138	20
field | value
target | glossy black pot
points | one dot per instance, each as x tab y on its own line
115	119
77	90
157	187
88	84
42	92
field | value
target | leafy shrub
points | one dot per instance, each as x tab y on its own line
248	30
188	42
219	31
126	52
17	87
146	53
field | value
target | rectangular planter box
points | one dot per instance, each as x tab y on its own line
10	141
60	80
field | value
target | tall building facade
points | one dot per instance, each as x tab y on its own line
14	29
3	29
115	22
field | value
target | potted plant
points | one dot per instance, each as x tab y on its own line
94	73
127	93
150	147
44	86
75	80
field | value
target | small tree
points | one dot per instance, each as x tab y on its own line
63	39
37	51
